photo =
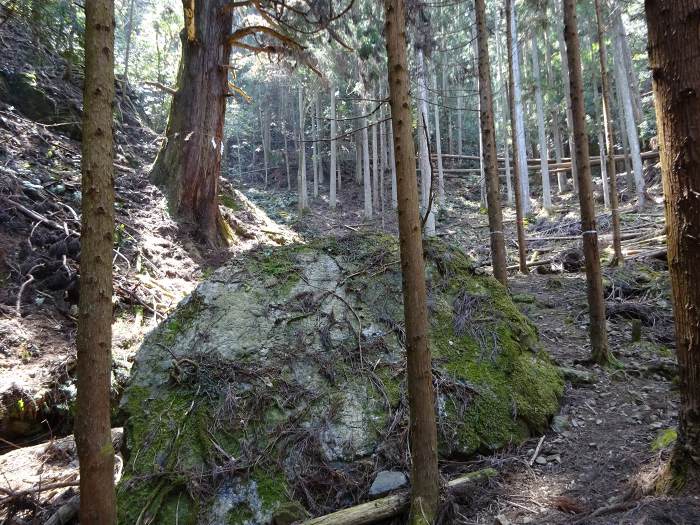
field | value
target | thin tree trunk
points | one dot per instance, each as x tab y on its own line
425	478
609	136
482	173
319	143
596	301
301	177
392	165
629	175
367	176
517	159
358	158
504	126
129	32
286	120
375	166
460	124
93	435
265	146
438	148
544	150
314	134
519	152
630	125
383	162
446	98
424	150
556	133
189	163
488	133
632	80
567	95
673	44
332	189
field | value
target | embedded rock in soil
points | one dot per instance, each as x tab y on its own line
277	390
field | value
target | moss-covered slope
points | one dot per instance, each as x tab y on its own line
277	388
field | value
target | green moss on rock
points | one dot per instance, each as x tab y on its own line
292	358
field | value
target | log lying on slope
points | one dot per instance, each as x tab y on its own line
389	506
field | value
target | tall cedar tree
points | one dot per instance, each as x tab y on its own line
596	301
425	479
517	164
94	341
189	163
609	135
488	133
674	40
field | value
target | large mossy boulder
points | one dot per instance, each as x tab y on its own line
277	389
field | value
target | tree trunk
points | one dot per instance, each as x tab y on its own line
675	65
331	183
504	126
482	173
626	53
319	127
425	478
567	96
129	32
383	162
314	133
556	133
302	192
367	176
358	156
630	125
488	133
519	152
445	97
375	166
629	176
596	301
438	148
265	143
517	158
392	165
544	150
286	120
424	150
189	163
460	124
93	436
609	136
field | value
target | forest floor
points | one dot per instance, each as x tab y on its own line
598	462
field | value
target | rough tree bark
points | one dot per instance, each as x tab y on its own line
425	478
609	135
392	165
517	159
488	133
674	39
596	301
94	340
189	163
